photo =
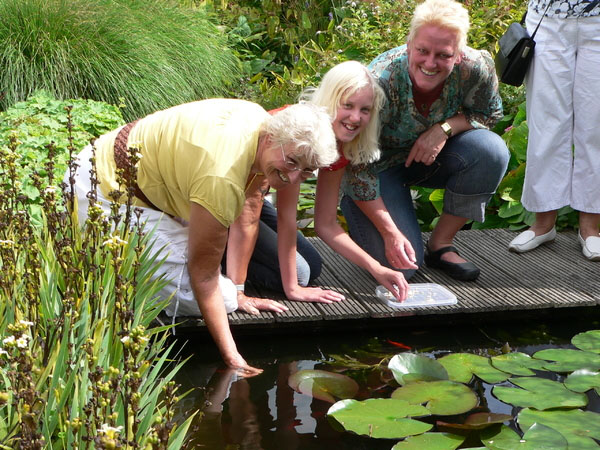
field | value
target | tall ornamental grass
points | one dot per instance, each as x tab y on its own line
80	364
150	54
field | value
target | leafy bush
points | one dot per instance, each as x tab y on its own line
151	54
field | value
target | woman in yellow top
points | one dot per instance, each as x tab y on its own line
353	99
200	163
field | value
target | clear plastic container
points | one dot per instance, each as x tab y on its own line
419	295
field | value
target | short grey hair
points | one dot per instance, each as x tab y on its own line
308	128
448	14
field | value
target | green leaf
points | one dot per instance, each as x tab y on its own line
510	209
476	421
430	441
441	397
539	393
588	341
517	364
577	426
410	367
380	417
511	186
583	380
536	437
462	366
323	385
568	360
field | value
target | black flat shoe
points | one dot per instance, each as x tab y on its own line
466	271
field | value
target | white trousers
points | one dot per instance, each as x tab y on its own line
170	241
563	114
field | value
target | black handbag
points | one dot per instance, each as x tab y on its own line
515	50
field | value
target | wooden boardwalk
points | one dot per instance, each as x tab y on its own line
554	279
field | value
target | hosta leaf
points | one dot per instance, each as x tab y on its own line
577	426
588	341
440	397
517	364
535	438
430	441
410	367
380	417
323	385
583	380
462	366
539	393
568	360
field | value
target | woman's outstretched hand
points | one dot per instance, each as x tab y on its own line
314	294
254	305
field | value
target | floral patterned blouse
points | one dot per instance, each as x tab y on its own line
563	9
471	89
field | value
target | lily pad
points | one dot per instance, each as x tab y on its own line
380	417
476	421
535	438
323	385
430	441
410	367
588	341
583	380
517	364
577	426
539	393
462	366
568	360
443	397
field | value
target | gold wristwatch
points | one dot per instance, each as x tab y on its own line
446	128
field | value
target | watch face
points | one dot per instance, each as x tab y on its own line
446	128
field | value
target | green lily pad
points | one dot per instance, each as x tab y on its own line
568	360
443	397
462	366
539	393
380	417
588	341
430	441
583	380
476	421
535	438
577	426
517	364
323	385
410	367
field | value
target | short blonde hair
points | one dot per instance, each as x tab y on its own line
339	83
308	128
448	14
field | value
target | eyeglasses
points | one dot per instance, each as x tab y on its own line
293	166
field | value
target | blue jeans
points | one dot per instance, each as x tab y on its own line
469	168
263	269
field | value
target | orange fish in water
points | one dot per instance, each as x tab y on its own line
398	344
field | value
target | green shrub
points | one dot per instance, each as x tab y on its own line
150	54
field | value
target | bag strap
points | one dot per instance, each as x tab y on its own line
543	15
591	5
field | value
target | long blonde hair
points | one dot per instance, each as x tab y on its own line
339	83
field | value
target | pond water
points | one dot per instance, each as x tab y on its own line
263	412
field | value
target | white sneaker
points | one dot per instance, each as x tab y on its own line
527	240
590	247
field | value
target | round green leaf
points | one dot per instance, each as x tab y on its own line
583	380
537	437
568	360
441	397
462	366
539	393
577	426
588	341
476	421
430	441
409	367
517	364
323	385
380	417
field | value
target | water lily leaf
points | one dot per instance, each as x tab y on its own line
539	393
536	437
583	380
517	364
568	360
380	417
588	341
323	385
577	426
476	421
462	366
441	397
409	367
430	441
